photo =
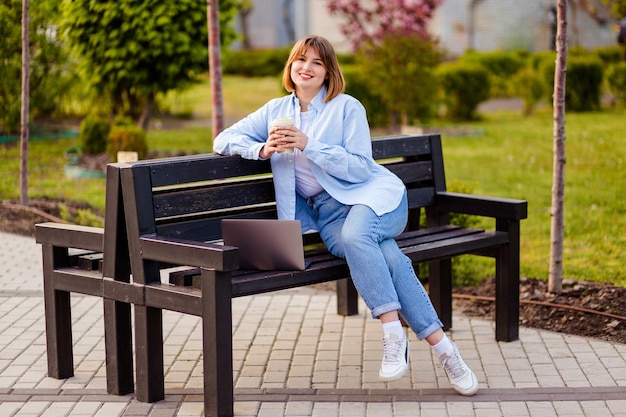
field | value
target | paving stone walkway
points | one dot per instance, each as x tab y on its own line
294	356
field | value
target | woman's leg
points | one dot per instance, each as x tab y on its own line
386	280
416	306
378	267
358	244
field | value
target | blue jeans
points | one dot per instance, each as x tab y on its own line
382	274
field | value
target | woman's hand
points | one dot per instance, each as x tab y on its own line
281	138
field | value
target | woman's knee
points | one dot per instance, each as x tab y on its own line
354	237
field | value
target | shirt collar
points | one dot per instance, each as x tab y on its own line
318	101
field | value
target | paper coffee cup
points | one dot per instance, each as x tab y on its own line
282	122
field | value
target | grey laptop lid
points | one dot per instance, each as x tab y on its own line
265	244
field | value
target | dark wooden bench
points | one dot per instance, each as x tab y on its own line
166	212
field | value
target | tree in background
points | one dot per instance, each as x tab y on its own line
555	273
215	67
395	51
47	62
25	109
133	50
245	9
401	71
382	19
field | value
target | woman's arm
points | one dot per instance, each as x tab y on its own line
244	138
349	158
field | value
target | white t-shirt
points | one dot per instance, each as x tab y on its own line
306	183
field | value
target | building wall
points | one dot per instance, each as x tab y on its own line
483	25
486	25
265	24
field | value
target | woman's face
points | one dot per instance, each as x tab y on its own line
308	72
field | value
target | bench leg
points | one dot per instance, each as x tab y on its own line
217	343
118	347
440	289
60	353
507	284
347	298
149	354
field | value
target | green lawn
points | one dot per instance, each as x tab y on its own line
511	156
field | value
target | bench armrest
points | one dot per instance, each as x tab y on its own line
190	253
70	236
502	208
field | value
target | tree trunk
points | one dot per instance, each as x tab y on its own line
286	9
244	14
146	114
24	134
215	67
555	275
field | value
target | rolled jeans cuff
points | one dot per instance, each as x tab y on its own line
429	330
386	308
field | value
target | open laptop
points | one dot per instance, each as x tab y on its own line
265	244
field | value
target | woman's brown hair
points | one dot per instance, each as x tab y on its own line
334	80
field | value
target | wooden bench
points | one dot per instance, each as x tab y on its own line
166	212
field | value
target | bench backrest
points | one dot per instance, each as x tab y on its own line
186	197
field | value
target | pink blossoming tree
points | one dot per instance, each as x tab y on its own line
397	55
383	18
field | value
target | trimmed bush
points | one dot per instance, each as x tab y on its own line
255	63
583	85
94	132
539	60
609	54
464	86
401	71
501	67
529	86
358	87
127	138
616	80
122	120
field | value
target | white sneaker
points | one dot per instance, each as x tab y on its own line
459	374
395	357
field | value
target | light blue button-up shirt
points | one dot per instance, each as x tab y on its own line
339	149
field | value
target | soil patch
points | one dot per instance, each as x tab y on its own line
21	220
583	308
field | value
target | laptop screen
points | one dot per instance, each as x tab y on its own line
265	244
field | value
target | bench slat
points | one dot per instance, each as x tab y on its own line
195	168
412	239
400	146
419	172
224	196
455	246
206	229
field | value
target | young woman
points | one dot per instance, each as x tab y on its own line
331	183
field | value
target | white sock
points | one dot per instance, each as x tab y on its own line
443	346
393	327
